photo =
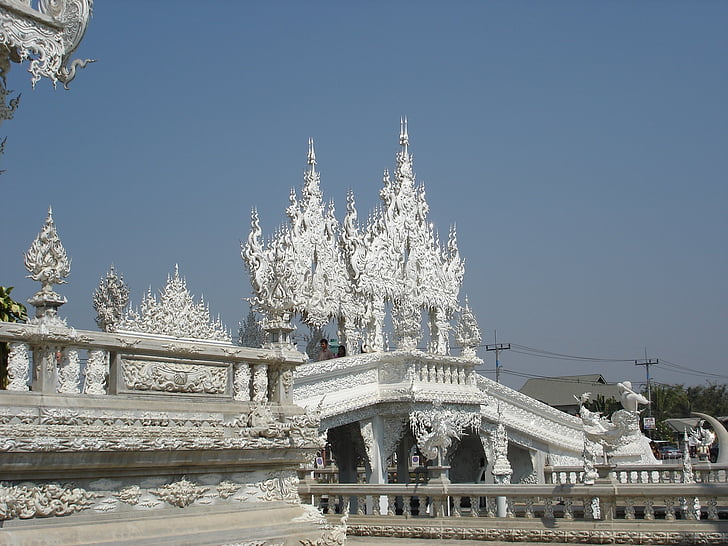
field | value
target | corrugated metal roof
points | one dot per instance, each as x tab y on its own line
560	391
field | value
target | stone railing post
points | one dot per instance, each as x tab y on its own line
260	382
241	381
45	369
18	367
69	372
97	371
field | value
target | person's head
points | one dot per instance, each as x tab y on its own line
341	351
324	344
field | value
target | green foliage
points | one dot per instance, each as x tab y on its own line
11	310
606	406
674	401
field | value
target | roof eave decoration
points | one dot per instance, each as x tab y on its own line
47	35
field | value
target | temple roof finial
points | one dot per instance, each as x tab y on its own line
403	136
311	154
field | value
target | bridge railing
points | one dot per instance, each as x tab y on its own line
668	502
641	474
68	361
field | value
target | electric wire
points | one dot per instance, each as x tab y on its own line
542	353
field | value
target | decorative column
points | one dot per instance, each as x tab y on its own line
381	437
502	470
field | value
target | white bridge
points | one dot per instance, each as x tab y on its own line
375	394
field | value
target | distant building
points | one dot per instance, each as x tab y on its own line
559	392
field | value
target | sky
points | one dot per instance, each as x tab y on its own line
579	148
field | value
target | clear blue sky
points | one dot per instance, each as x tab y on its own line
580	147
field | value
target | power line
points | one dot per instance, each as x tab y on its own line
523	349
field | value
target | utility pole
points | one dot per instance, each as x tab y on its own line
647	362
497	347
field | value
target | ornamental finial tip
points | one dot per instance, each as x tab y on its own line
311	153
403	136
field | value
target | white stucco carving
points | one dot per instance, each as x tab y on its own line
280	487
46	32
175	314
144	375
620	436
321	269
30	501
69	372
110	300
97	372
467	332
435	429
502	470
18	367
47	263
241	382
181	493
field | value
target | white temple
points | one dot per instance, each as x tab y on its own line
321	269
159	428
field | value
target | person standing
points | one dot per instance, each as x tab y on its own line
325	353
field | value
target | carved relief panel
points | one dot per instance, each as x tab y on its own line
136	374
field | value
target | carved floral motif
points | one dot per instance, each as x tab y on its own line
181	493
130	495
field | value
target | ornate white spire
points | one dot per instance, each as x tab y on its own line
174	314
311	154
467	331
110	300
47	263
403	136
321	270
46	259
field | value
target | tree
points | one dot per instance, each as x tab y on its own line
606	406
674	401
250	332
10	311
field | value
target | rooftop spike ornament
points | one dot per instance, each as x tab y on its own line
322	270
47	263
175	314
110	300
